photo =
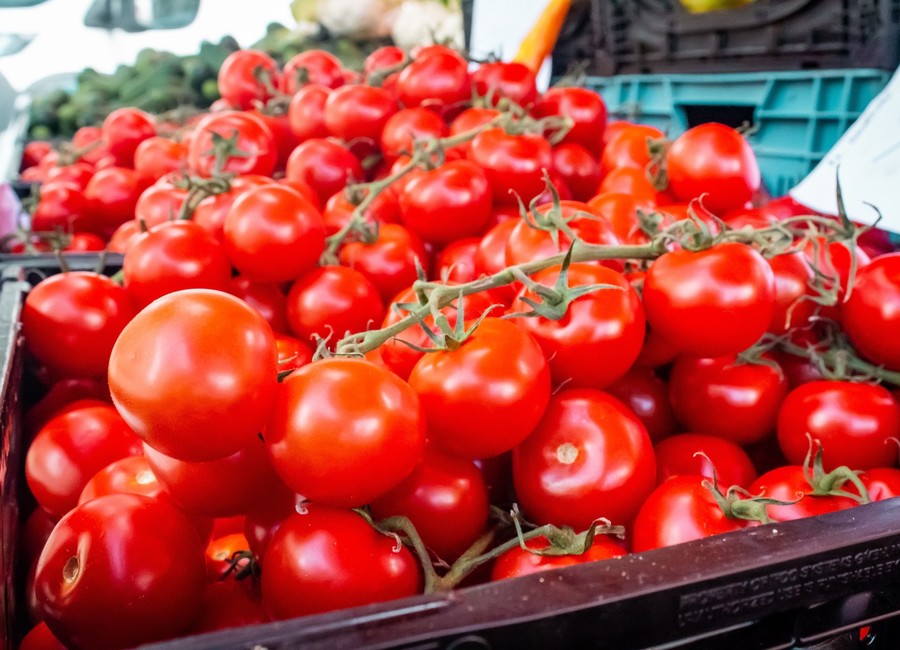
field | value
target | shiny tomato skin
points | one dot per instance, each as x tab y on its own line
470	120
78	173
128	475
94	600
41	638
629	147
292	353
330	559
589	457
158	392
123	130
356	111
518	562
253	138
713	302
60	396
409	125
456	262
648	396
792	305
227	604
578	168
634	182
124	236
338	211
325	166
621	211
268	299
584	107
240	83
387	56
60	207
486	396
390	261
789	483
872	309
439	77
306	112
496	80
882	482
157	156
375	415
112	195
317	66
514	164
159	204
678	456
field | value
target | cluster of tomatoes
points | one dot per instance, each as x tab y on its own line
188	437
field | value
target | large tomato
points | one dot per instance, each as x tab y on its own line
242	78
257	153
873	309
709	456
157	156
312	67
345	431
357	111
439	76
112	195
158	204
584	107
390	261
514	164
496	80
518	562
123	130
629	146
194	374
325	166
789	483
306	112
589	457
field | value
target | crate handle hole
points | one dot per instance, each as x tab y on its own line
733	116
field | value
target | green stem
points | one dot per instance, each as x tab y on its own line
834	358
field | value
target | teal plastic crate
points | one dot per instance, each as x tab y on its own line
796	116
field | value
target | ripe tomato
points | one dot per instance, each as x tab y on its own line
518	562
312	67
267	299
159	204
600	335
241	78
41	638
384	57
376	416
123	130
873	309
470	120
390	261
438	76
578	168
792	278
716	162
257	153
306	112
634	182
835	261
330	559
584	107
124	237
589	457
60	396
484	397
647	395
407	126
86	577
854	423
789	483
714	302
722	459
78	173
490	258
34	151
292	353
456	263
629	147
61	206
71	321
338	211
356	111
514	164
227	604
497	80
112	195
128	475
325	166
157	156
158	382
882	483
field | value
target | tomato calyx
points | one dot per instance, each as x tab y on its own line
224	149
831	483
242	565
449	337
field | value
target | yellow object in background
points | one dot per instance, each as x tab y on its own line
538	43
703	6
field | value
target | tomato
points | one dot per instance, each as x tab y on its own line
714	302
112	195
789	483
389	262
71	321
518	562
306	112
498	80
78	173
704	455
387	56
484	397
439	76
227	604
648	396
128	475
726	398
835	260
470	120
793	307
261	524
157	377
376	416
123	130
60	206
680	510
490	258
159	204
456	262
882	483
634	182
61	395
90	140
34	151
353	112
514	164
338	210
446	500
124	237
85	581
854	423
872	310
241	78
329	559
267	299
584	107
157	156
629	147
257	152
407	126
292	353
325	166
41	638
589	457
311	67
212	211
578	168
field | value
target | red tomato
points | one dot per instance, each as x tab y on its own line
716	162
835	261
41	638
86	578
183	412
518	562
514	164
325	166
267	299
84	242
329	559
159	204
721	459
60	396
456	263
384	209
647	395
124	237
439	77
854	423
71	321
306	112
589	457
60	207
241	78
112	195
273	234
78	173
714	302
292	353
312	67
484	397
797	370
123	130
445	498
792	305
634	182
882	483
380	425
227	604
157	156
584	107
278	122
621	211
470	120
34	151
407	126
384	57
490	258
257	152
629	147
353	112
578	168
873	309
789	483
389	262
498	80
128	475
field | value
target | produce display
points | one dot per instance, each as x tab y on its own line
407	330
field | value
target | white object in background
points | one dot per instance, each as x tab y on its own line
498	27
425	22
867	158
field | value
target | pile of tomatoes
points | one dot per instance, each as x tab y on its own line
345	300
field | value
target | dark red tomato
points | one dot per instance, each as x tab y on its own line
256	151
445	498
332	301
484	397
85	581
722	397
882	483
647	395
159	204
78	173
33	536
438	77
621	211
710	303
634	182
112	195
247	77
70	449
514	164
312	67
71	321
700	454
330	559
268	299
292	353
448	203
60	395
629	147
469	121
456	262
873	309
374	413
600	335
854	423
157	156
789	483
123	130
498	80
353	112
384	57
273	234
285	141
793	308
410	125
124	237
128	475
154	382
390	261
584	107
325	166
227	604
41	638
60	207
715	161
797	370
589	457
680	510
84	242
518	562
261	524
578	168
306	112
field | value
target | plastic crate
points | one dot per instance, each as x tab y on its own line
796	116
